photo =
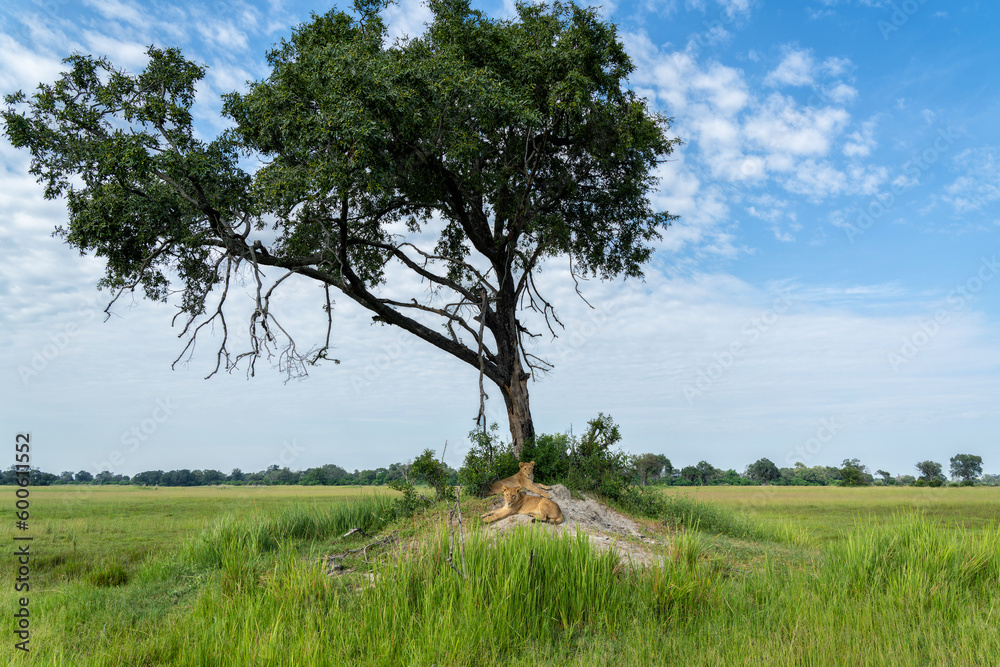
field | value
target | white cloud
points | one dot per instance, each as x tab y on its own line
861	142
816	180
796	69
224	34
980	184
115	10
22	68
840	93
129	55
780	126
406	18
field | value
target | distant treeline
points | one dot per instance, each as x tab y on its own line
647	469
328	475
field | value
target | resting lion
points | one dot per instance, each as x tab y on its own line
525	477
518	502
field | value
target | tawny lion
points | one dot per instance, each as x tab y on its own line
518	502
525	477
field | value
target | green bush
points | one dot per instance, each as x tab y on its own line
488	460
428	469
592	464
410	503
551	456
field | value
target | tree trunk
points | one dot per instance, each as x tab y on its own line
515	395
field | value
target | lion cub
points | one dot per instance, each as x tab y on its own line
525	477
518	502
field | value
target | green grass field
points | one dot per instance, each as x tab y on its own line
751	575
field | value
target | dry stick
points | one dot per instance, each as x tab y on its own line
451	543
385	540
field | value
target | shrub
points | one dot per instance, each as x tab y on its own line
410	503
592	464
488	460
551	456
426	468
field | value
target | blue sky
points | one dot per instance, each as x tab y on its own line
830	291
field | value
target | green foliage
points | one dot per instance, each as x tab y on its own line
929	471
488	460
521	139
551	456
426	468
763	471
966	466
411	502
593	466
651	467
853	473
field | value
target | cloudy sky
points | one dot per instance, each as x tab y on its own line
830	291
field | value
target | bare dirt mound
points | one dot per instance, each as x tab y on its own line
606	528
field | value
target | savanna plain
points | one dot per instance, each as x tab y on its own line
742	576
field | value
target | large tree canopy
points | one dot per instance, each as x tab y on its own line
509	141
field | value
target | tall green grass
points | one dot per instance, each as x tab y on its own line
682	511
909	560
527	588
250	538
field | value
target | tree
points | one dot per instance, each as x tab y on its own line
966	466
763	471
593	466
433	473
887	477
84	477
211	477
691	474
148	478
929	471
513	142
648	465
854	473
551	456
707	472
